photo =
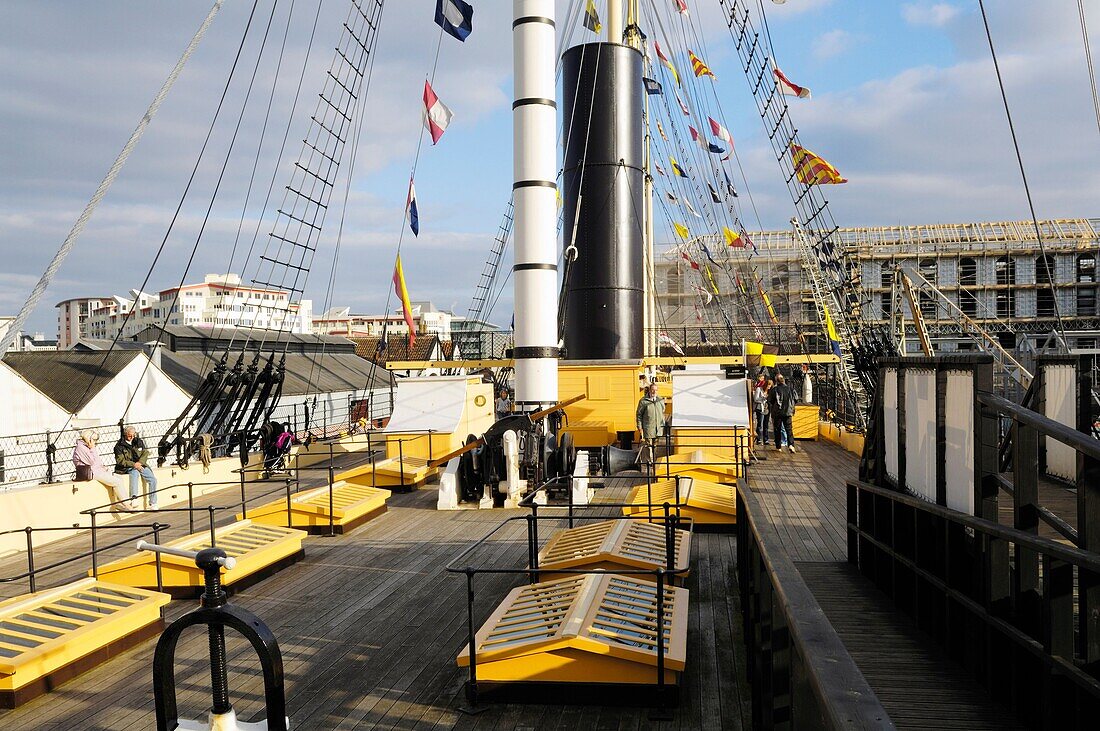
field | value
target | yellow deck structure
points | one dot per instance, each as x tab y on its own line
433	415
699	464
804	421
614	545
590	629
51	636
706	503
392	473
352	505
259	550
610	405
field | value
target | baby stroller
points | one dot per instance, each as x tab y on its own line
276	440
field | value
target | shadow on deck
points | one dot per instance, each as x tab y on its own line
801	503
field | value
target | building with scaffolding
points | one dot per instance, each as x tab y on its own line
1018	287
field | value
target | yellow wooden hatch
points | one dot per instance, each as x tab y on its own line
706	503
258	549
614	545
598	628
391	472
699	464
51	636
352	505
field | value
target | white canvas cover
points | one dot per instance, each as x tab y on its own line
1060	399
709	399
430	403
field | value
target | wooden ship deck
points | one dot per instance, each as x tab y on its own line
370	623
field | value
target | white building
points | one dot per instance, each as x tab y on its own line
426	318
72	316
25	342
219	300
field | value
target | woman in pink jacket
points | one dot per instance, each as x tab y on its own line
87	460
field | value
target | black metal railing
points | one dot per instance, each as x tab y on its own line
800	673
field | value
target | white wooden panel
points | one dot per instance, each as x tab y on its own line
1060	404
920	433
890	420
959	441
431	402
709	399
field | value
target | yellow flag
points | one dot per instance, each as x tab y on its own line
710	278
733	238
403	294
682	230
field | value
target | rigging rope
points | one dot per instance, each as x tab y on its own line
1023	177
78	227
1088	61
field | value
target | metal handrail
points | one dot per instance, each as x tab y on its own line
32	571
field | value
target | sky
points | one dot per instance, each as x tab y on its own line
905	104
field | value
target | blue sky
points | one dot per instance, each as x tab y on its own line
905	105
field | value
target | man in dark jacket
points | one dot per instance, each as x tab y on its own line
781	410
131	458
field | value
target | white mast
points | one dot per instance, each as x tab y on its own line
535	273
615	21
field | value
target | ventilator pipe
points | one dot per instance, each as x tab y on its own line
534	191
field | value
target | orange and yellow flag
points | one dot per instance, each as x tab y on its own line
813	170
403	294
697	65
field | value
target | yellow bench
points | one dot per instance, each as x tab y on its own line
594	629
708	504
352	505
260	550
51	636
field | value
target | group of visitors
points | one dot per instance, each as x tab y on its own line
773	403
131	461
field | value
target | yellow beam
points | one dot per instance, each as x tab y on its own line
418	365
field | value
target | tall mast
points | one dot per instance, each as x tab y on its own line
633	38
534	123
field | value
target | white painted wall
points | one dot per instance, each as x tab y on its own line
24	409
156	397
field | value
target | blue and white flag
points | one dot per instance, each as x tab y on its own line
410	209
652	86
455	17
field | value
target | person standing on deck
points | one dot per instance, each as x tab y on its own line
760	408
131	459
651	422
781	408
503	406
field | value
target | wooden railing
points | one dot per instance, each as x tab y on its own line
800	673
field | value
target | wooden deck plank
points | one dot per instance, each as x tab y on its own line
919	686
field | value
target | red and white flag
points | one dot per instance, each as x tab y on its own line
721	133
436	114
681	7
787	87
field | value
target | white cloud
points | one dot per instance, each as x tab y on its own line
936	16
798	7
832	44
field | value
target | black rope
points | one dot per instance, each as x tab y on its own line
1023	177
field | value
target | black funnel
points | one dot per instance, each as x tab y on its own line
603	173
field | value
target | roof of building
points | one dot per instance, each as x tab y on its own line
87	344
217	338
305	373
70	378
397	348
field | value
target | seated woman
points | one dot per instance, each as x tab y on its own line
89	465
